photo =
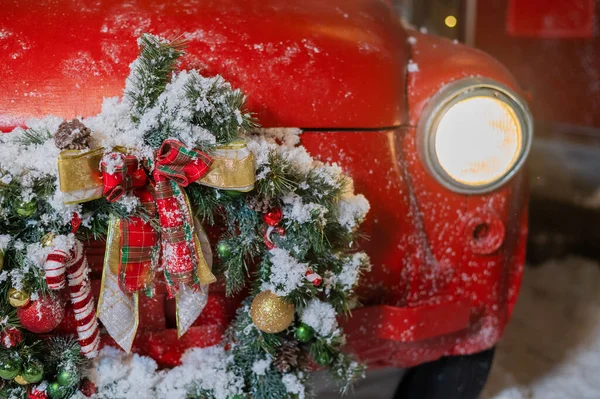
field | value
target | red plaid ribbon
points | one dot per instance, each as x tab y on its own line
177	166
139	240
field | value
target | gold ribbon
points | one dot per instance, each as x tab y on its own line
119	311
81	180
79	175
232	168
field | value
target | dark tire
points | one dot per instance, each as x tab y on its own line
453	377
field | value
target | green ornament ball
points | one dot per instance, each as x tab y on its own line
323	358
26	209
305	333
67	378
233	193
224	250
56	391
33	372
9	368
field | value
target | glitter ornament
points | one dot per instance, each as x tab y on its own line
273	217
323	358
56	391
33	371
270	313
88	388
304	333
48	239
35	393
43	315
26	209
10	337
67	378
224	250
18	298
9	368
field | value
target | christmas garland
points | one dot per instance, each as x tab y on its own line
177	152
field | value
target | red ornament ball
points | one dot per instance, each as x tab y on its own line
35	393
273	217
88	388
10	337
42	315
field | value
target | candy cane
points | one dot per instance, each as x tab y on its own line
76	267
313	277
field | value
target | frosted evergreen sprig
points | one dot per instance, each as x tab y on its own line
151	71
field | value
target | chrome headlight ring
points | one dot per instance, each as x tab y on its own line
504	130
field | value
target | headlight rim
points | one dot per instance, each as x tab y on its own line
442	101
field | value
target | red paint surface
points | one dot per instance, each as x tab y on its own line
561	74
301	63
551	18
429	294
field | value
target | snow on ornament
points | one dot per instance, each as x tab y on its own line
42	315
10	337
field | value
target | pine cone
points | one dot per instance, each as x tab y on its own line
259	204
287	356
72	135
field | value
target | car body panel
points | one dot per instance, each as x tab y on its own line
338	70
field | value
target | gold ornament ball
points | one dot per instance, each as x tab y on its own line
20	380
18	298
48	239
270	313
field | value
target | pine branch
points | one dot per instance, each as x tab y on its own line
204	201
63	352
151	72
218	108
346	371
280	178
196	391
33	137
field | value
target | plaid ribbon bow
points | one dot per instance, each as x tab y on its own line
175	166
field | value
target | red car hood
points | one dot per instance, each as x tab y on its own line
304	63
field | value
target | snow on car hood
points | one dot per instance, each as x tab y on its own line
305	63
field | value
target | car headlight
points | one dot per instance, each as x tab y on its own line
474	135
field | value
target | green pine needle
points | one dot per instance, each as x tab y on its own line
152	71
34	137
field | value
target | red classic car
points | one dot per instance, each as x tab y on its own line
434	133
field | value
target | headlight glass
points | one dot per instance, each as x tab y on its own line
478	140
476	135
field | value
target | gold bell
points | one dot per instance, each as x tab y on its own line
18	298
